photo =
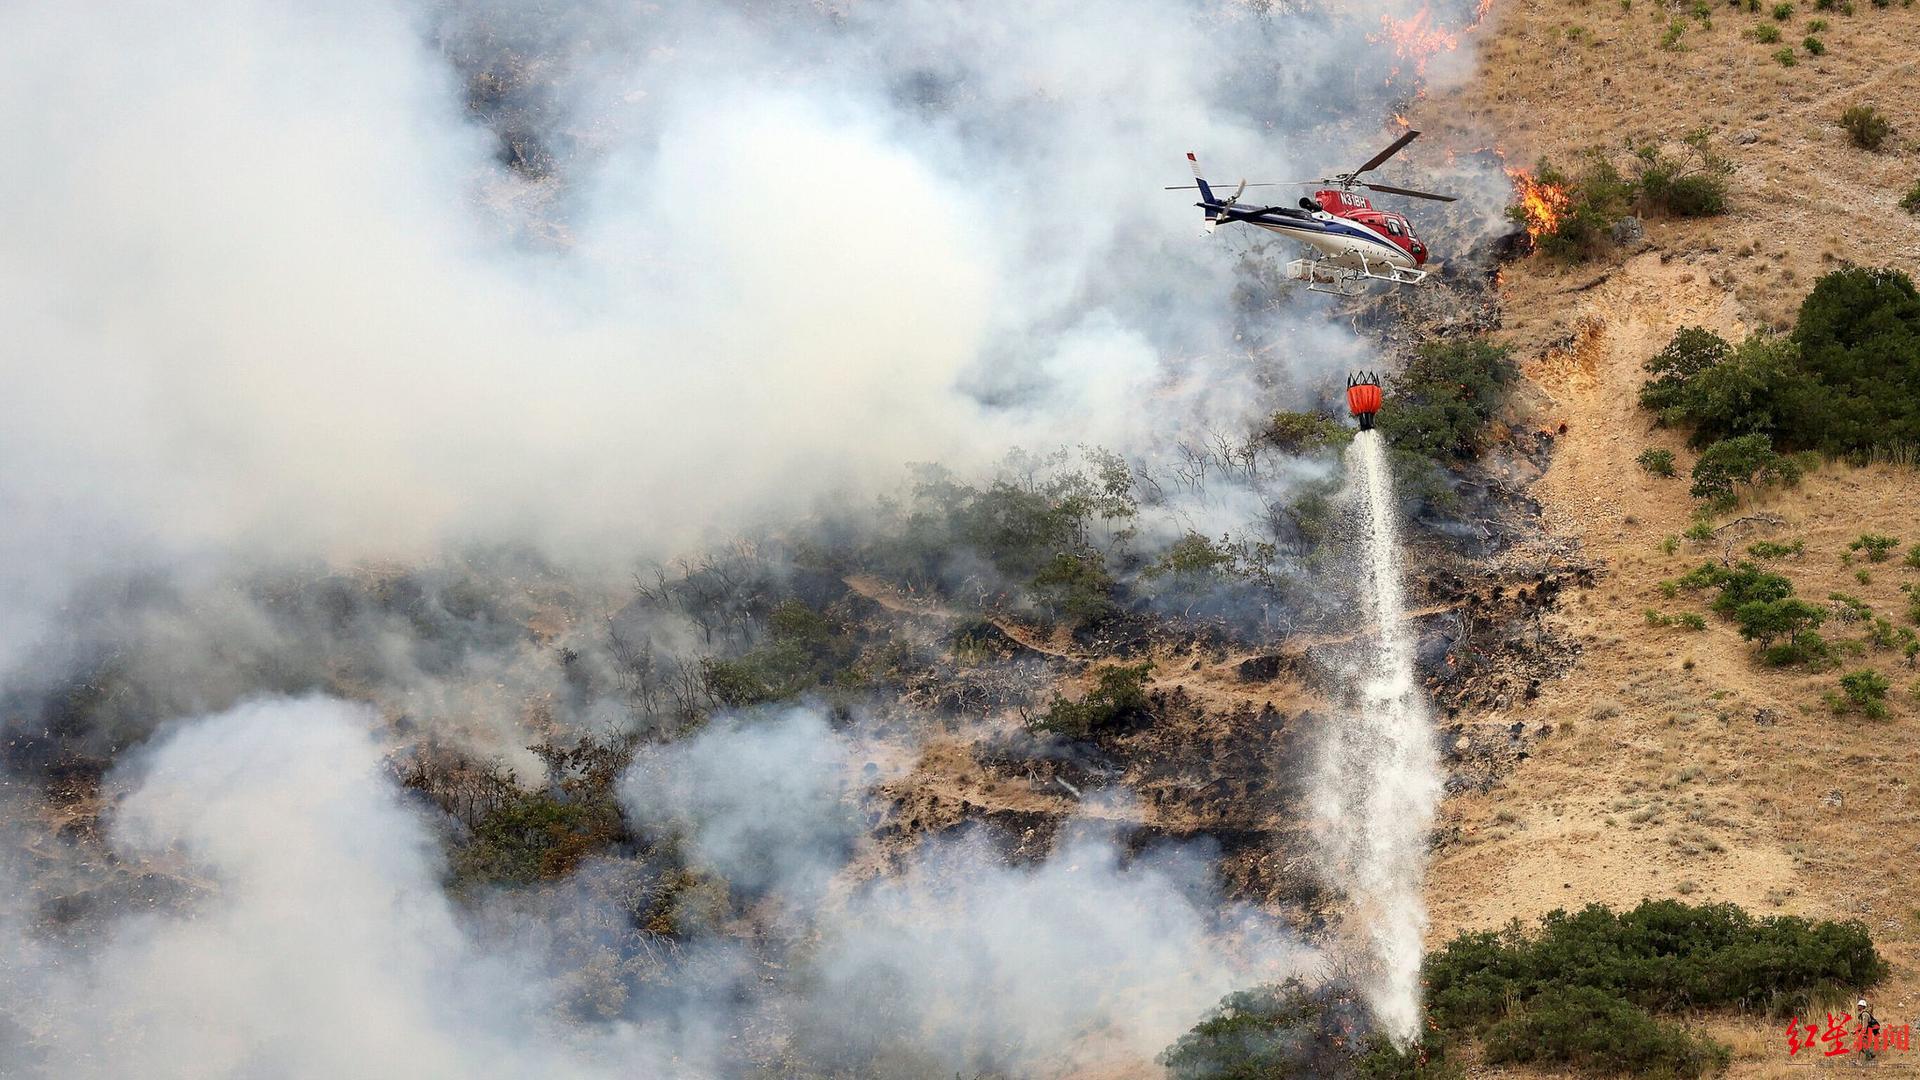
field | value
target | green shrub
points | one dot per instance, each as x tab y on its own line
1439	405
1859	345
1306	432
1742	584
1290	1029
1018	524
1785	56
1686	620
1589	1029
1766	33
1913	557
1876	546
1663	955
1075	585
1845	383
1721	390
1910	202
1118	697
1692	184
1671	39
1863	691
1747	583
1192	555
535	836
803	650
1595	199
1767	549
1380	1059
1866	126
1767	621
1816	26
1806	649
1852	608
1813	45
1749	459
1657	461
1783	11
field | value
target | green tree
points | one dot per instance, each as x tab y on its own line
1077	585
1766	621
1749	393
1438	407
1692	351
1859	344
1748	459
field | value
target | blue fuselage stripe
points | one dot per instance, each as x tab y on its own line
1314	225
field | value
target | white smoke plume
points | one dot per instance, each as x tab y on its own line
319	943
315	939
269	291
272	299
971	962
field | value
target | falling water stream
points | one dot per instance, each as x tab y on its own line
1379	775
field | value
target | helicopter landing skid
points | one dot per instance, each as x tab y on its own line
1326	276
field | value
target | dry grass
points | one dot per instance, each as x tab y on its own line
1690	770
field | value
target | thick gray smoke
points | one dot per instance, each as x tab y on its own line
273	298
320	943
315	939
269	289
972	962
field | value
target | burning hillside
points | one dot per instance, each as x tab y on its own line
469	610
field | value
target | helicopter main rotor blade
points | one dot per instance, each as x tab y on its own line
1388	152
1410	191
1191	187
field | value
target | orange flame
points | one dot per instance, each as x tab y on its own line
1543	204
1416	38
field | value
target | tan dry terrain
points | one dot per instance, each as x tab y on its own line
1676	765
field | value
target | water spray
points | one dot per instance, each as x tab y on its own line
1379	774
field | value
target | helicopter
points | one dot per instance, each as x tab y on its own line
1349	242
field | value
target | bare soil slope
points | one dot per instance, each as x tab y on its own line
1671	762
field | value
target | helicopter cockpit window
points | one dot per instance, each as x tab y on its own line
1393	226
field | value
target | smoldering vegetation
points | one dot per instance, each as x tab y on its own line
681	817
361	713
